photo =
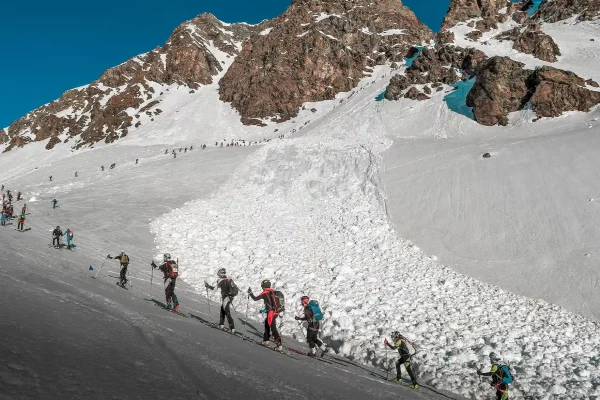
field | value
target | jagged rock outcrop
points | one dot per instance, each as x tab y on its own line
315	50
101	111
488	10
558	10
444	65
531	40
504	86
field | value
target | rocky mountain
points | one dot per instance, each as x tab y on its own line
107	108
558	10
315	50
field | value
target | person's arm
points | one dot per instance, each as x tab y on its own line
308	315
255	298
206	285
389	345
492	371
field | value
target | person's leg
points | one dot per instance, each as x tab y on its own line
274	330
409	370
222	314
267	334
398	370
228	313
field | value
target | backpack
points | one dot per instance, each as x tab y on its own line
505	374
124	258
314	306
174	270
232	289
278	301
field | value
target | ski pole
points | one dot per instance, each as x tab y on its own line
208	302
387	370
151	277
100	267
246	320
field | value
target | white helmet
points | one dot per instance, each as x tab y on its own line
166	257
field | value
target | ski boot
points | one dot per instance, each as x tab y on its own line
414	386
279	348
169	306
265	343
222	327
397	379
232	331
324	350
312	352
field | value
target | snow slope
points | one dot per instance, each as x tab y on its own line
65	335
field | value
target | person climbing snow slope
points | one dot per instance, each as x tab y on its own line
170	270
69	234
405	358
272	309
56	234
501	376
228	291
313	317
124	260
21	222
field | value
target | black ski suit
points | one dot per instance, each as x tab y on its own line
226	301
56	234
267	296
312	331
124	260
400	345
167	270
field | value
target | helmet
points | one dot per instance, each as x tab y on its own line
265	284
221	273
58	227
166	257
122	252
396	335
494	358
304	300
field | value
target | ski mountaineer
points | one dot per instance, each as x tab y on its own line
313	328
56	234
54	202
50	178
498	374
24	209
76	174
272	311
228	291
69	234
4	216
170	269
18	196
124	260
400	345
21	222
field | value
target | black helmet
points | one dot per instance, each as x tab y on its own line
265	284
222	273
396	335
58	227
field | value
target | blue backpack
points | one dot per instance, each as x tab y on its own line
314	306
505	374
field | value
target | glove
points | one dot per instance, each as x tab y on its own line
297	318
108	256
153	265
263	311
206	285
478	372
385	341
249	291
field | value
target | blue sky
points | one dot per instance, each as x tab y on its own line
49	47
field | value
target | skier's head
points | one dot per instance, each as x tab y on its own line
222	273
122	252
494	358
266	284
58	227
396	335
166	257
305	300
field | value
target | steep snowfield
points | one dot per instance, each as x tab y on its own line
310	214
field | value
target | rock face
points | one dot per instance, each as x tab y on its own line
446	64
531	40
488	10
103	109
504	86
315	50
558	10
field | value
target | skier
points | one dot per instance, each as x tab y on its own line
24	209
102	168
174	155
191	147
166	151
2	187
498	374
180	149
69	234
54	202
10	211
56	234
50	178
171	271
113	165
272	310
137	160
4	217
21	222
228	292
400	345
124	260
18	196
314	325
